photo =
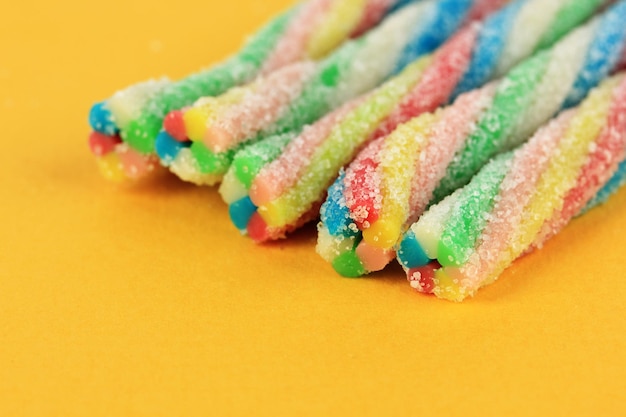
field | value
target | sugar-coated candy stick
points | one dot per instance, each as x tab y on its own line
527	97
518	200
422	86
291	97
310	30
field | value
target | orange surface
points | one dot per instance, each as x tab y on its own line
145	302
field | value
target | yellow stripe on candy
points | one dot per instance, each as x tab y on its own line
400	154
342	19
338	149
447	286
563	171
111	167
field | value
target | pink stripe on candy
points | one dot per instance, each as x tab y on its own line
438	82
373	13
516	191
448	137
608	153
372	258
135	164
285	171
483	8
293	43
259	108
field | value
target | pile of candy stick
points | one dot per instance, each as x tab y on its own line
440	188
395	178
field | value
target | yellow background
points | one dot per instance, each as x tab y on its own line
117	301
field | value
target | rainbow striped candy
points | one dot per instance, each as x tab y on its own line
199	142
308	31
518	200
392	182
287	186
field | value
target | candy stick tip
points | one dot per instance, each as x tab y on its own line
349	265
174	125
101	119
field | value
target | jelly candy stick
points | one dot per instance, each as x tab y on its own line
518	200
288	99
526	98
308	31
423	86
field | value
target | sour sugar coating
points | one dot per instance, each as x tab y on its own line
310	30
423	86
302	93
518	200
455	148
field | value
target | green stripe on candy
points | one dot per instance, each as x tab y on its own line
467	222
210	162
141	133
319	95
248	162
571	15
514	95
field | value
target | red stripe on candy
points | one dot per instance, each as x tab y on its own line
174	125
362	185
101	144
438	82
424	277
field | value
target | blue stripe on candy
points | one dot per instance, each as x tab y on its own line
489	47
610	188
334	212
167	148
241	211
603	55
410	252
398	5
101	119
442	22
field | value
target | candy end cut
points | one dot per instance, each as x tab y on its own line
382	234
348	265
174	124
195	124
410	252
101	119
373	258
101	144
241	212
167	147
422	278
